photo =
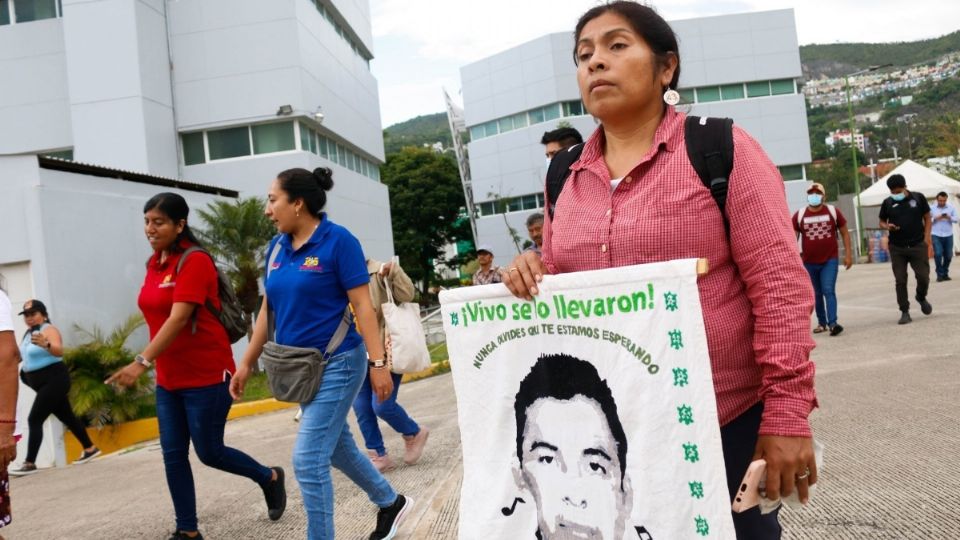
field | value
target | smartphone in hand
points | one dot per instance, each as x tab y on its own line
748	494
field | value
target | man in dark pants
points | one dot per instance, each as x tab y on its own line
906	215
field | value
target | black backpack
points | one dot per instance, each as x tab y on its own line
709	144
230	313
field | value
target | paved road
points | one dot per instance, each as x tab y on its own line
889	418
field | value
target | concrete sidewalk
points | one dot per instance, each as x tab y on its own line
888	416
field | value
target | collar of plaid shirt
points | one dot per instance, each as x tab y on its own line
757	298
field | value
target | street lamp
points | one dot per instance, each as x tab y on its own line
853	151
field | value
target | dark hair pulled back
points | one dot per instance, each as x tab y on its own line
312	187
174	206
647	23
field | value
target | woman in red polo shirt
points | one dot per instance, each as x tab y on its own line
194	364
633	198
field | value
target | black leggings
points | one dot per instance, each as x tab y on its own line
51	384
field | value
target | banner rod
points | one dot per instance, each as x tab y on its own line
703	267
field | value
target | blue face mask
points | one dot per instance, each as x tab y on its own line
899	196
815	199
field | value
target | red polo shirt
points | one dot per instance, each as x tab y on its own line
193	359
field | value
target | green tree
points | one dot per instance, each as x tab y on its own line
96	359
426	199
236	234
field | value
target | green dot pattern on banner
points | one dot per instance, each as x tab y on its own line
685	413
691	453
670	300
696	490
680	377
676	339
703	528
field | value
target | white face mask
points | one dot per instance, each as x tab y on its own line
814	199
547	162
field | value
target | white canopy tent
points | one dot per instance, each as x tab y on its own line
922	180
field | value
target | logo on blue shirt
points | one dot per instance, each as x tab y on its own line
311	264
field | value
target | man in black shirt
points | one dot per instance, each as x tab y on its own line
906	215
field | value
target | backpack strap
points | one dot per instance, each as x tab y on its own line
207	303
558	172
709	143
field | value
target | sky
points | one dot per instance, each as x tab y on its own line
420	45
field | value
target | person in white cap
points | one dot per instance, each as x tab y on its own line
488	273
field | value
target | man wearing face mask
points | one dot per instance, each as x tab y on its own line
906	214
559	139
817	226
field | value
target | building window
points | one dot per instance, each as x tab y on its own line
791	172
229	143
326	13
487	209
731	91
573	108
307	139
536	116
4	12
551	112
782	86
60	154
708	94
758	89
687	96
269	138
193	153
22	11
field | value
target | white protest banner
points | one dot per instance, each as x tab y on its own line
588	412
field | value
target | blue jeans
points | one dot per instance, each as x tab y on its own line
198	415
824	278
368	409
942	253
325	439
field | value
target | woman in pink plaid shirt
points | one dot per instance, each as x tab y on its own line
634	198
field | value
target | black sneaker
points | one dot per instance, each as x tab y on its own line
25	470
947	278
925	307
835	330
939	279
389	518
87	456
180	535
905	318
275	493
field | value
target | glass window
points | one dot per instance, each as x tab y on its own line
530	202
731	91
551	112
355	163
229	143
514	204
708	94
34	10
64	154
572	108
314	142
782	86
758	89
477	132
536	116
193	148
305	143
540	200
791	172
491	128
4	12
487	209
341	155
273	137
520	120
687	95
376	173
506	124
322	145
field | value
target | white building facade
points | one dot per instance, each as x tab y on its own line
744	66
222	93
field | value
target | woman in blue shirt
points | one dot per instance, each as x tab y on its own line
44	371
319	268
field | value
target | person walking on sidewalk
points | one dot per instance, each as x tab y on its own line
944	216
632	197
194	363
9	358
817	226
367	406
906	215
44	371
314	269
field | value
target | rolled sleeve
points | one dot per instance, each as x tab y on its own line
763	246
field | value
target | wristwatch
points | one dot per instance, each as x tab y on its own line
377	364
143	361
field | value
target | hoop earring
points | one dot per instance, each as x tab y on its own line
671	97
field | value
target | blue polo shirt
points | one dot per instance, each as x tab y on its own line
307	288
